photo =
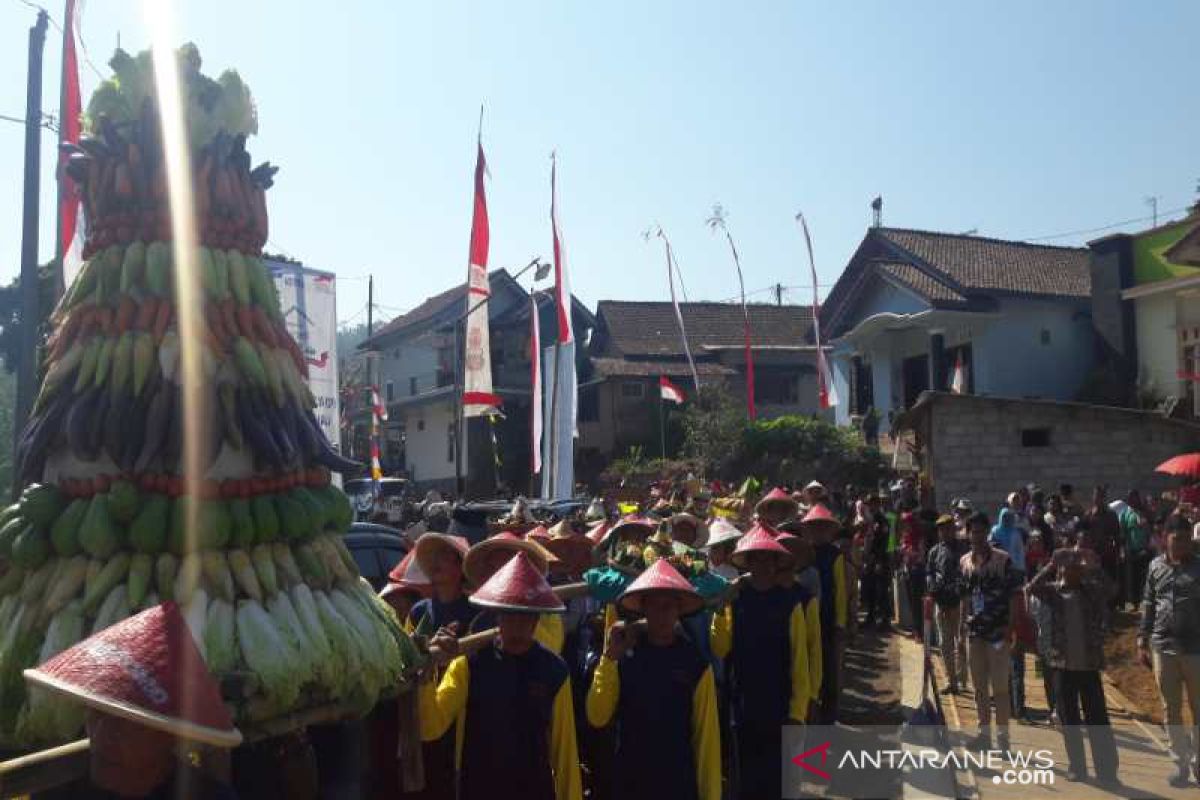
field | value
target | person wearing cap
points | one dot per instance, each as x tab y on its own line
776	507
819	526
486	558
156	720
944	584
661	692
763	632
814	492
722	536
407	585
510	702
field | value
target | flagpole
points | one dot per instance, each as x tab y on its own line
662	425
553	471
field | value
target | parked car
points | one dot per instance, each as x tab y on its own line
376	549
386	508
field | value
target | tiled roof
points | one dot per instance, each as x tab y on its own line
650	328
432	306
920	282
978	264
607	367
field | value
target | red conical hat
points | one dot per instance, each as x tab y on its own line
760	539
409	575
777	496
599	532
575	549
518	586
146	669
820	515
539	534
513	543
661	577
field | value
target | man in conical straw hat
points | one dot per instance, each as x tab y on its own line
819	526
764	633
407	585
573	549
440	557
810	599
776	507
689	530
722	536
660	690
154	713
488	557
511	743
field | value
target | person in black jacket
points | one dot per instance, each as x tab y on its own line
945	585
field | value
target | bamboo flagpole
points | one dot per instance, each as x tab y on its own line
826	391
672	268
717	220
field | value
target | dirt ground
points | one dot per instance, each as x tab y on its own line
1134	680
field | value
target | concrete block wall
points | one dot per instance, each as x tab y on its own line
975	448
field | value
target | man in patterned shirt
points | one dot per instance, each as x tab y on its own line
990	586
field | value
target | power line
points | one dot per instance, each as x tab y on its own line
1105	227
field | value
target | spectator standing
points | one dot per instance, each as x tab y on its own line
1077	595
1106	533
1135	541
1009	537
943	582
912	562
991	583
876	577
1169	639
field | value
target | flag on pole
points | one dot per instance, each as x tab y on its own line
669	392
826	391
377	405
478	399
535	406
672	267
70	218
958	382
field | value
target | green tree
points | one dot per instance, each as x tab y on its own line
713	429
794	449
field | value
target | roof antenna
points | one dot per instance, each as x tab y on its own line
877	212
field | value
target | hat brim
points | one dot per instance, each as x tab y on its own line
621	527
689	602
473	562
789	504
719	539
739	559
177	727
431	541
573	550
832	524
559	609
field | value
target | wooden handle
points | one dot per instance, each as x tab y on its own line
474	641
45	769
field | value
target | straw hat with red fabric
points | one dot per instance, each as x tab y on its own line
512	543
430	543
146	669
407	576
571	547
777	501
819	516
518	586
760	539
661	577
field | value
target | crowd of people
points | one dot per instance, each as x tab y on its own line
658	648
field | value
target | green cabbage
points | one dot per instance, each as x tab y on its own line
220	641
267	654
328	672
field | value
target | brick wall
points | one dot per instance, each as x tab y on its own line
976	450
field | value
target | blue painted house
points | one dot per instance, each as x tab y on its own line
911	306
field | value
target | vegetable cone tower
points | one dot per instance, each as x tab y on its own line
269	590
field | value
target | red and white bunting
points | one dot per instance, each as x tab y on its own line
70	216
377	405
669	392
478	399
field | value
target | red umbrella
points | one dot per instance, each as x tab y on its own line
1187	465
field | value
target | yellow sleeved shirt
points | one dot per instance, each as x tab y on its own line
446	702
721	641
602	700
816	667
549	632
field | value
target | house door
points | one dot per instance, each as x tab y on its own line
915	376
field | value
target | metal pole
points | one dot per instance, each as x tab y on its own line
553	473
30	305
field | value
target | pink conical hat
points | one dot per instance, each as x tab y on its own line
661	577
760	539
518	586
146	669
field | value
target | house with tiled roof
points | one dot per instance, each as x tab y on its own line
417	357
635	343
919	310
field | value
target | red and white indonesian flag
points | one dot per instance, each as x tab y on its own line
958	382
535	406
669	392
562	284
70	216
377	405
826	391
478	398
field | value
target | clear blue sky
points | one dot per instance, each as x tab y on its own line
1019	119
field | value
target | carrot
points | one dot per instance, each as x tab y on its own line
146	313
161	320
245	320
125	314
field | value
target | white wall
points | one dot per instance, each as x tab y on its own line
426	446
1157	347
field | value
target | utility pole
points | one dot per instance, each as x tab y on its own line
779	294
30	305
1153	203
